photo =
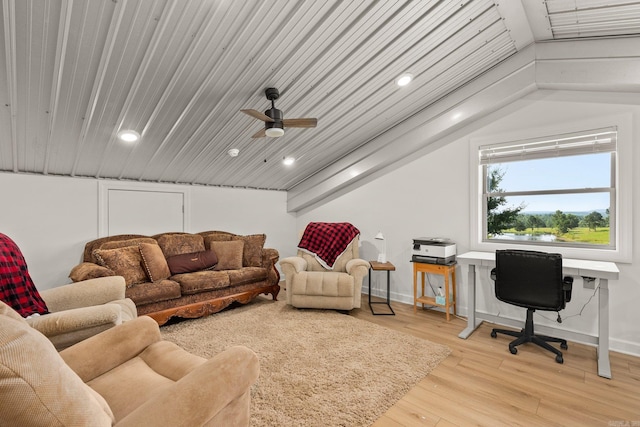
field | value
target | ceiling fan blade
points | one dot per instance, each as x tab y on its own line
259	134
300	123
258	115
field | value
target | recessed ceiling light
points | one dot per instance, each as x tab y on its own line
128	135
404	79
233	152
288	161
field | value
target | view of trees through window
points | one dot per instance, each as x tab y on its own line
576	216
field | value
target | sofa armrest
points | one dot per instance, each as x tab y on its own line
269	256
209	388
357	267
84	294
293	264
111	348
89	270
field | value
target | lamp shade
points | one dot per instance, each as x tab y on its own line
379	236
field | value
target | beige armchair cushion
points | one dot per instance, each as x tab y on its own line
37	387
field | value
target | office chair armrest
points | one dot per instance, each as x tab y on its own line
493	274
567	286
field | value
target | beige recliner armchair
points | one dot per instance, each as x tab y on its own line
125	376
80	310
310	285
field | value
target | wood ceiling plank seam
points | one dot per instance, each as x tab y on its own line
8	11
223	103
183	115
176	78
99	79
113	89
212	75
54	96
447	9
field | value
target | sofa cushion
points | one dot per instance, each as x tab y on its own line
229	254
247	275
154	262
187	263
38	388
125	262
146	293
180	243
200	281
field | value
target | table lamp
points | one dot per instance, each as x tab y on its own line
382	257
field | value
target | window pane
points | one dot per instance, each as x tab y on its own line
556	173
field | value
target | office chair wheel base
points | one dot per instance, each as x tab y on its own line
559	359
493	334
564	346
513	350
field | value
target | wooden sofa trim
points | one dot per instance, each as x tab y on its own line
203	308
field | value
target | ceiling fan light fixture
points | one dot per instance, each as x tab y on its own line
404	79
274	132
128	135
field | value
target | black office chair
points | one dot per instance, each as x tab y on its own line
532	280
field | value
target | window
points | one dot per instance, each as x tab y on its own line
562	192
557	190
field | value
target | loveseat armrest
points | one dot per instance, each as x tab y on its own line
357	267
89	270
211	387
84	294
293	264
111	348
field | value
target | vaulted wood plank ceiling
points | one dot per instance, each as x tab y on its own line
74	73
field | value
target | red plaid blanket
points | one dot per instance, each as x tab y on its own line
16	287
327	240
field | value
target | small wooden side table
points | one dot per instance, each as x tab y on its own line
381	266
449	296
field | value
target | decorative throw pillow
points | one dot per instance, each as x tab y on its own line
154	262
196	261
229	254
125	262
180	243
252	252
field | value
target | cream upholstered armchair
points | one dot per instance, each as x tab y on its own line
65	314
125	376
309	284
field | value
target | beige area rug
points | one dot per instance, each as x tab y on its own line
317	367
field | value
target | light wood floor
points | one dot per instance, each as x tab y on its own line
482	383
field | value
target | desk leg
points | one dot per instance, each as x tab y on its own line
471	303
604	366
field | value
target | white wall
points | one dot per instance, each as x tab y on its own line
429	197
51	218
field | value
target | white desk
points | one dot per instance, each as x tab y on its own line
603	271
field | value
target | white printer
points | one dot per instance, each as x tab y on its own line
433	250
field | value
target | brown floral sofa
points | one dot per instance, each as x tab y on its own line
184	274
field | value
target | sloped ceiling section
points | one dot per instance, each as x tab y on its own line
75	72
